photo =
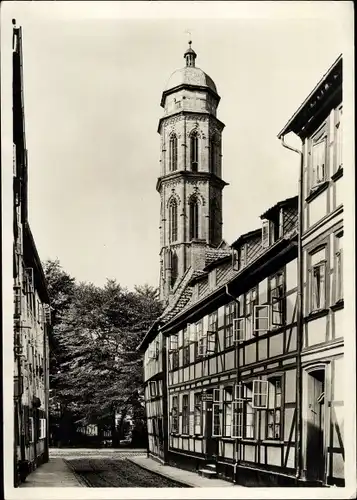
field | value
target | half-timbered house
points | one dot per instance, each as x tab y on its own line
318	123
231	392
31	305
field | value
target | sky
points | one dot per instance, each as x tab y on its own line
94	73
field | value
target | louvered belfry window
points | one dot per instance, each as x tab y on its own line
193	219
194	152
173	153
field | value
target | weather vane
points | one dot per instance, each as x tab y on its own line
189	35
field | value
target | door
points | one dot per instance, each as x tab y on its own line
211	441
315	413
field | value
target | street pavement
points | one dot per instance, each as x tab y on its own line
113	468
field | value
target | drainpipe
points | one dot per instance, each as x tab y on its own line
299	314
237	381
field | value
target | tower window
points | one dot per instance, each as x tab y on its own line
214	222
173	221
173	153
193	219
194	152
213	155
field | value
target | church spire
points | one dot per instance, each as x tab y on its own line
190	56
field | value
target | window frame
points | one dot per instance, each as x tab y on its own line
173	227
185	414
174	428
229	317
194	152
227	429
317	139
197	413
314	305
194	219
217	412
275	408
173	153
338	264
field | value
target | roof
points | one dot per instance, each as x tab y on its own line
247	236
190	75
321	94
292	201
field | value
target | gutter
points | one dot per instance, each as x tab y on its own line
299	312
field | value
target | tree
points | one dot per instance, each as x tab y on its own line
100	374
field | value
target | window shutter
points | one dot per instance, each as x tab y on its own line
211	342
239	392
265	233
281	223
235	260
319	161
261	318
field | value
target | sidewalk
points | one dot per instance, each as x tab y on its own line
187	478
53	474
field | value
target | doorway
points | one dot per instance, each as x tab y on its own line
211	441
315	425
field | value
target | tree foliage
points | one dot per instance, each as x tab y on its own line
96	331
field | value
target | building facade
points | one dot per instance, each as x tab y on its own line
249	348
31	306
318	124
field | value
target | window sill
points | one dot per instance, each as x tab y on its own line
229	439
338	174
338	305
272	441
316	190
316	314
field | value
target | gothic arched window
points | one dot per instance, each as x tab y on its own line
173	153
193	219
174	268
173	221
194	151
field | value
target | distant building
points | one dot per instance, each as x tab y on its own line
31	306
243	370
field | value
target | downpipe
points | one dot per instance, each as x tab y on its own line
299	314
235	472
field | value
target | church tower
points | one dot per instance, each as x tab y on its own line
190	183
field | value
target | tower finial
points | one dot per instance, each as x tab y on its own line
190	55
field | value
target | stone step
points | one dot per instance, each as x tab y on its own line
208	473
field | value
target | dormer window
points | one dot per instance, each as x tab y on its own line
266	234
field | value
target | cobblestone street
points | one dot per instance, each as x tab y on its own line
108	468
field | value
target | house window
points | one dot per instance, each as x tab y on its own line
339	267
173	153
318	289
261	319
251	300
42	428
175	359
185	414
229	315
274	409
193	219
260	394
338	139
153	391
200	339
243	424
227	411
276	299
186	346
194	152
173	221
31	430
217	413
198	414
318	160
174	414
212	333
